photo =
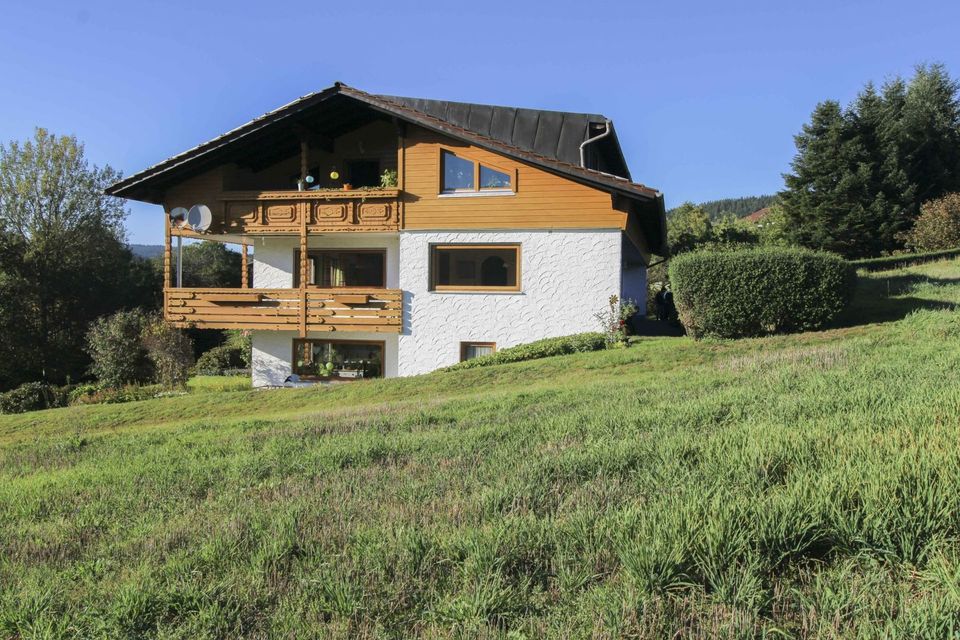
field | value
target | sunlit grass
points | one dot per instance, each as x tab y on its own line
801	485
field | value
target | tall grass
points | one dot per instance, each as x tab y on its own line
796	486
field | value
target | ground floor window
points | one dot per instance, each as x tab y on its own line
475	267
469	350
337	359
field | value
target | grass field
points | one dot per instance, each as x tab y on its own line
794	486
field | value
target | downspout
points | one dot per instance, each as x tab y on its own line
583	151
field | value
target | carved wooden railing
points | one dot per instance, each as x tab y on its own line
284	211
310	309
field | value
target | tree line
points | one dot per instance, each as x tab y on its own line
64	261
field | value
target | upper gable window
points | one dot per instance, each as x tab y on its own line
457	173
463	177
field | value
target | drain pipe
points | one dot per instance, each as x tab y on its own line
583	152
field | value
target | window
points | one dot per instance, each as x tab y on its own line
469	350
462	176
357	268
337	359
472	267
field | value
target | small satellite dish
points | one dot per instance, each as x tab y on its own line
199	217
178	216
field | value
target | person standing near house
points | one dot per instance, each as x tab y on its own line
660	300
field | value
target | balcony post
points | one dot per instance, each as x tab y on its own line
304	210
167	258
244	277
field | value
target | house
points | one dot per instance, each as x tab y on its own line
391	236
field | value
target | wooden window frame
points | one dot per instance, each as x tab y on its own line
296	265
472	343
382	344
477	189
447	288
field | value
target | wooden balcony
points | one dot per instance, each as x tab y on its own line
303	310
290	212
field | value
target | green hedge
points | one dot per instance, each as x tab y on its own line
219	359
887	263
34	396
539	349
759	291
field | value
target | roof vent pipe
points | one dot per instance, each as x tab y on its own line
583	152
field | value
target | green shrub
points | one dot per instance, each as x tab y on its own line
170	351
539	349
34	396
115	346
759	291
219	359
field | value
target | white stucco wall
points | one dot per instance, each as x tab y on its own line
566	277
273	350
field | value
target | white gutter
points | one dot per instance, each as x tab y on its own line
583	152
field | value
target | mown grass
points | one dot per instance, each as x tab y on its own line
794	486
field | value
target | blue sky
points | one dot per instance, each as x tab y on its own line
706	96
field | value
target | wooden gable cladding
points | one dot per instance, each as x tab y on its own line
542	200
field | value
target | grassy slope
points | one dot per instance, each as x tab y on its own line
808	484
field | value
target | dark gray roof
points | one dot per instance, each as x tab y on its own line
547	139
552	134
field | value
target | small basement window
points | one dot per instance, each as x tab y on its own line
473	267
470	350
462	176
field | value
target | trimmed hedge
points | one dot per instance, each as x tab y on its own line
545	348
219	359
759	291
899	261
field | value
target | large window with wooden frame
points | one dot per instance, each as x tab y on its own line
337	359
463	176
470	350
475	267
329	268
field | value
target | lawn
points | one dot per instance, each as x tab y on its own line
794	486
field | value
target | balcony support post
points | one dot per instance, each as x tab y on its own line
167	259
304	210
244	277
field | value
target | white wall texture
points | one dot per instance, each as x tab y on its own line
566	277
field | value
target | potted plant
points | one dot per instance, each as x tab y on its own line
388	179
347	186
325	369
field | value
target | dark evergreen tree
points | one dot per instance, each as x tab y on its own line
861	174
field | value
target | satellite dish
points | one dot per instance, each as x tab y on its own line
199	217
178	216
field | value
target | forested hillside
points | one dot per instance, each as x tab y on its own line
737	206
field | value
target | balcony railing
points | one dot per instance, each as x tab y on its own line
310	309
323	211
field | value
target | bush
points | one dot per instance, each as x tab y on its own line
759	291
115	346
170	351
34	396
938	225
216	361
540	349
